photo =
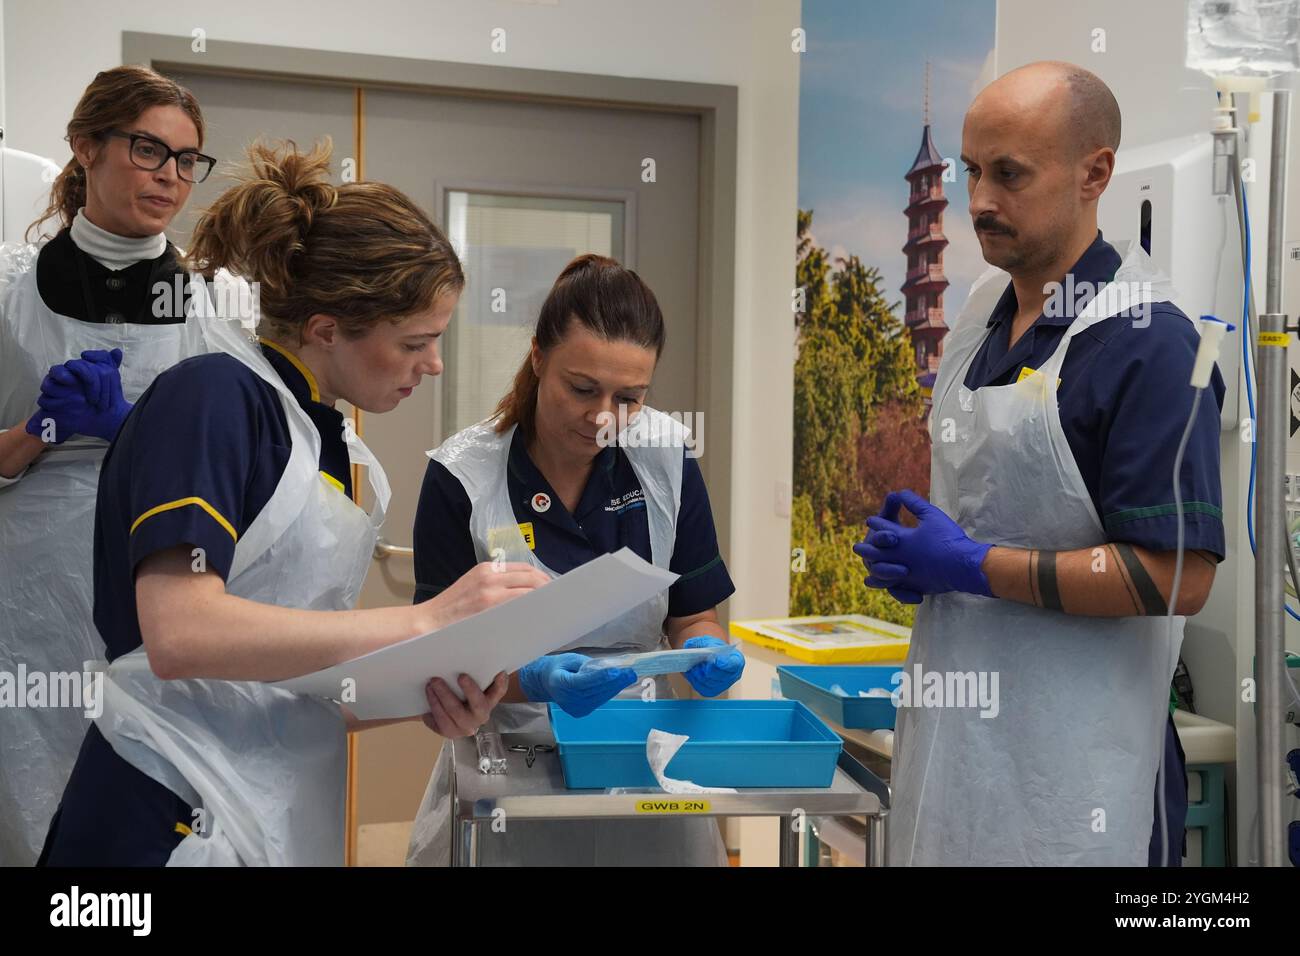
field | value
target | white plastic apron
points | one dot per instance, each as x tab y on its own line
479	459
268	767
1065	773
47	520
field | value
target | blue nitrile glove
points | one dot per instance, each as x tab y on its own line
888	574
84	397
63	401
555	678
933	558
710	678
36	426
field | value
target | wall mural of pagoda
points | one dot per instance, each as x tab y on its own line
925	283
870	315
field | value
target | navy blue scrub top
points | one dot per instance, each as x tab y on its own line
1124	400
195	462
611	514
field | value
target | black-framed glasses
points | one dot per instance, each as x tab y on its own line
149	153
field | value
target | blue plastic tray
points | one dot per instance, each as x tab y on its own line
812	685
734	743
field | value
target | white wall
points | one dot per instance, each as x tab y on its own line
1143	64
2	66
52	49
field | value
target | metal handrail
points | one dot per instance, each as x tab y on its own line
384	550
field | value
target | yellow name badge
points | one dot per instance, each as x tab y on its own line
1027	371
503	539
672	806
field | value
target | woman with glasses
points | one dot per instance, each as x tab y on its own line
82	334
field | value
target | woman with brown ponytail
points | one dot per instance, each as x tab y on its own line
229	553
574	465
71	312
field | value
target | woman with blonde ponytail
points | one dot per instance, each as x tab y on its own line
82	334
229	553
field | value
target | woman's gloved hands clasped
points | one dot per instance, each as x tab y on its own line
933	558
559	678
82	397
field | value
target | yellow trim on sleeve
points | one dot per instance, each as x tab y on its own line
296	363
181	503
334	481
183	830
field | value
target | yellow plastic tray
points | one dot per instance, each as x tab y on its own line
844	638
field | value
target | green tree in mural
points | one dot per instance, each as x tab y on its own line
827	418
827	576
854	355
811	268
854	359
881	344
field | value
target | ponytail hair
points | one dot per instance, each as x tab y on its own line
606	299
360	252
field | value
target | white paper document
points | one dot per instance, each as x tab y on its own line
390	682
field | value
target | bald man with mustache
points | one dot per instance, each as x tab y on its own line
1047	552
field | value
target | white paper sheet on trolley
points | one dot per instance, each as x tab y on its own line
390	682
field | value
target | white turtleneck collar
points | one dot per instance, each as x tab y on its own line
110	250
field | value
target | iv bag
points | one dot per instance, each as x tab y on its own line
1258	38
